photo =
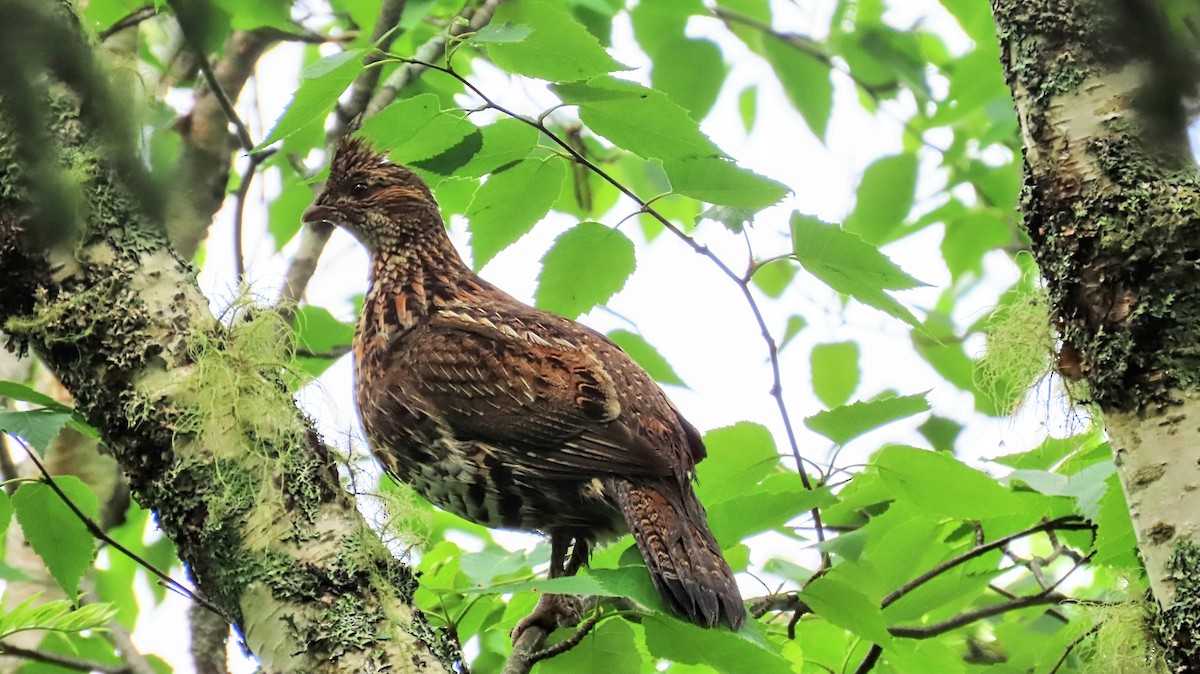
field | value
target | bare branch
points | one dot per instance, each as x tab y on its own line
530	642
239	257
470	20
207	148
968	617
65	661
128	21
364	85
1068	522
186	24
98	532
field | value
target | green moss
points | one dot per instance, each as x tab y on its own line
1019	344
1178	627
1124	641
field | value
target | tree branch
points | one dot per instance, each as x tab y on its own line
968	617
65	661
206	155
1068	522
195	412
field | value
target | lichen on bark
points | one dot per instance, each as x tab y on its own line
202	420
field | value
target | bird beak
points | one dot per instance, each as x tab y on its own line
317	213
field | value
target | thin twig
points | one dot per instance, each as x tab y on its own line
243	134
1071	646
470	20
239	258
968	617
1052	612
98	532
819	53
128	21
1068	522
65	661
869	661
699	248
1046	596
566	644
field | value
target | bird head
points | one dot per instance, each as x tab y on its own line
384	205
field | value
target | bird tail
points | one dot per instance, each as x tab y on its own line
671	531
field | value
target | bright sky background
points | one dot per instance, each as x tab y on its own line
676	299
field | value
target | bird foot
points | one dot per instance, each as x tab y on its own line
552	611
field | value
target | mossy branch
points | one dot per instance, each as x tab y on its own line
198	414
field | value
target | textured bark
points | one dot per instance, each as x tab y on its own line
206	432
1115	228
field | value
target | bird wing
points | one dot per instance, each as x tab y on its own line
518	384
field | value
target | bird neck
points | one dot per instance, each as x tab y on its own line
410	281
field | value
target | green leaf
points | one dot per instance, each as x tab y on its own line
37	427
510	203
287	208
805	79
835	372
557	48
485	566
585	267
641	120
610	647
505	142
748	107
739	458
691	73
851	266
56	533
625	581
941	432
416	128
943	486
774	277
719	181
746	650
56	615
251	15
884	198
845	606
321	84
843	424
318	332
734	219
501	32
771	504
794	325
6	512
1116	543
647	356
11	389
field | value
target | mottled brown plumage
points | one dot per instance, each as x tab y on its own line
510	416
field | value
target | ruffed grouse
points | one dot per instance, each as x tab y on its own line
510	416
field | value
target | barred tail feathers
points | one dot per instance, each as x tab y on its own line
684	560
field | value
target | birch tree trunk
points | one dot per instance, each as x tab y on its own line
195	413
1111	209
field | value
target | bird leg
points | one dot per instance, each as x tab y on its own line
557	610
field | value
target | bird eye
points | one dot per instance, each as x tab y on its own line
360	189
